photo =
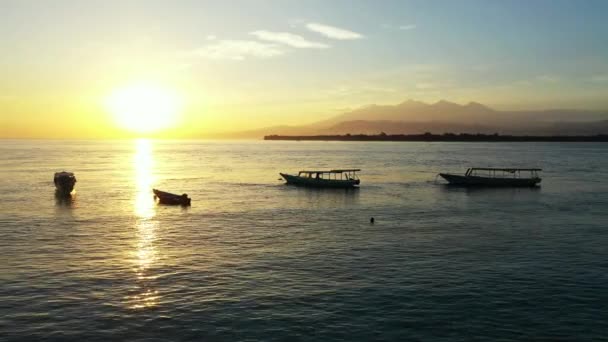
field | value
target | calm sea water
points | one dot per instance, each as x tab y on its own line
253	259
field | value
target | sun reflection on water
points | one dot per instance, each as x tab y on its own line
145	255
143	163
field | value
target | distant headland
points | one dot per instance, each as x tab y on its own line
413	118
462	137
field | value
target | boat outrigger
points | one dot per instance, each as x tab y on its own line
495	177
171	199
343	178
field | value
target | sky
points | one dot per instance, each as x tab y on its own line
238	65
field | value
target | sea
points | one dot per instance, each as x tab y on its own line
254	259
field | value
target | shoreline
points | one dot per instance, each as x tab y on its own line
448	137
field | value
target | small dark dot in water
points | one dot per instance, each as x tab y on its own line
371	220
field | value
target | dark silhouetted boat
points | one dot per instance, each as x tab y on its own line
346	178
495	177
64	182
171	199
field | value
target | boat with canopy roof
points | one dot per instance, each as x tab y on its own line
64	182
340	178
495	177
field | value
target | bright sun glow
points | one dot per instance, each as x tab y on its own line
145	108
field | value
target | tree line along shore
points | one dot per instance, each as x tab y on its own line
444	137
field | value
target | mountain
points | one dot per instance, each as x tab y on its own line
445	111
412	117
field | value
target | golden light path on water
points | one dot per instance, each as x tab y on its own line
145	254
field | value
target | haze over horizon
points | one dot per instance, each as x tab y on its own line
78	69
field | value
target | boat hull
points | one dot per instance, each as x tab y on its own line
319	183
171	199
64	183
489	181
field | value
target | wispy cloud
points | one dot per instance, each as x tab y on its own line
182	66
358	90
238	50
290	39
481	67
404	27
548	78
600	78
425	85
407	27
333	32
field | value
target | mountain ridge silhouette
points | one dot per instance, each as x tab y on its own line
415	117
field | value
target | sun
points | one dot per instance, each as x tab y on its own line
145	107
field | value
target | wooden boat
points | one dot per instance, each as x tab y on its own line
495	177
343	178
171	199
64	182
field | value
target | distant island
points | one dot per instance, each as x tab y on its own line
414	118
462	137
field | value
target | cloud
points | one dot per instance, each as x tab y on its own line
359	90
548	78
295	22
481	67
446	84
407	27
600	78
425	85
182	66
404	27
238	50
379	89
333	32
290	39
211	37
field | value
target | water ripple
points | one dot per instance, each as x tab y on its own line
253	259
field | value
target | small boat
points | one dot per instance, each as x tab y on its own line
64	182
171	199
346	178
495	177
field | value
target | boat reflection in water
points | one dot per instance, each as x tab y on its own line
145	254
65	201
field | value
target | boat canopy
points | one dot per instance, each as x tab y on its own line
492	171
337	174
502	169
332	171
64	174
